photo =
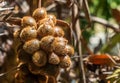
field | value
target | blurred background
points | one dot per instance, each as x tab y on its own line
97	22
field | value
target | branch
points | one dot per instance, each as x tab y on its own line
13	20
10	71
103	22
39	3
51	6
87	12
77	30
61	1
63	23
8	8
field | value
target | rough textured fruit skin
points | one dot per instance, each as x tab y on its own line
46	43
60	39
59	46
44	30
28	33
65	62
70	50
28	21
46	21
52	17
54	59
39	13
58	31
31	46
39	58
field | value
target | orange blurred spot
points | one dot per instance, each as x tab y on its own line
102	59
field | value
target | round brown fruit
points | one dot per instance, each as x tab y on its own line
53	59
65	62
39	58
31	46
52	17
45	30
28	21
39	14
58	31
28	33
46	21
59	46
46	43
61	39
70	50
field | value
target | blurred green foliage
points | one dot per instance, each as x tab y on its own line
101	9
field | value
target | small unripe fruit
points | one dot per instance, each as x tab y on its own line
45	30
65	62
53	59
39	58
70	50
58	32
46	43
28	21
39	13
28	33
31	46
52	17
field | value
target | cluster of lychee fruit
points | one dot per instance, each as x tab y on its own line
44	49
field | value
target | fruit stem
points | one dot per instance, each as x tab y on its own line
39	3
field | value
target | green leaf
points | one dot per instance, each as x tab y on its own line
113	41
